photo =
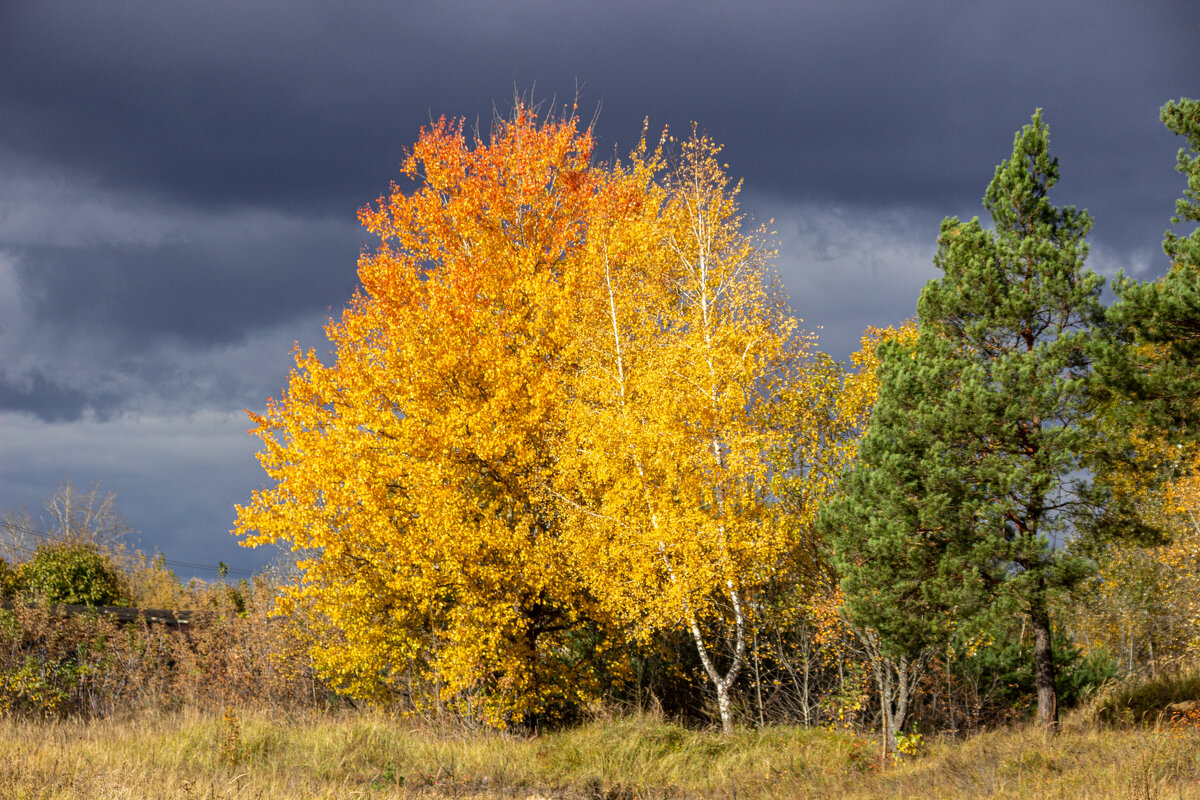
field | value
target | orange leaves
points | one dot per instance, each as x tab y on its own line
545	415
416	464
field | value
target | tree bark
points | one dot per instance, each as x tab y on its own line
896	681
725	682
1043	664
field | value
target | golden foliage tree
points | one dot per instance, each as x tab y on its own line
551	416
692	395
1143	607
416	464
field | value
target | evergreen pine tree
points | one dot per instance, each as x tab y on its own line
968	475
1161	319
901	529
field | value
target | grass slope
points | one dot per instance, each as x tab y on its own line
260	755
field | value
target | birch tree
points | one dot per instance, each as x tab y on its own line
671	480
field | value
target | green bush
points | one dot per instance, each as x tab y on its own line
74	574
8	581
1007	663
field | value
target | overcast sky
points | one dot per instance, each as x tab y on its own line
179	181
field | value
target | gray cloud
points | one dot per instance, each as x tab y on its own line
177	478
860	103
847	269
112	301
178	182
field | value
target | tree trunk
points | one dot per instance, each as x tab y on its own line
1043	664
896	681
758	683
725	706
723	683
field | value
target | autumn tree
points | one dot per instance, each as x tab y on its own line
416	464
549	423
676	446
1143	605
969	476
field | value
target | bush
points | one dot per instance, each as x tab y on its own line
1149	700
56	664
1006	663
8	581
73	574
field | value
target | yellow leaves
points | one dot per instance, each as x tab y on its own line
1146	604
553	408
862	386
416	463
668	481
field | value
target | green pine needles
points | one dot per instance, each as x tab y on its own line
1158	377
969	475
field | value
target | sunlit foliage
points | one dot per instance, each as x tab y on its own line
552	420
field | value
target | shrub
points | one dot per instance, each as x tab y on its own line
73	574
54	663
1149	700
1004	663
8	581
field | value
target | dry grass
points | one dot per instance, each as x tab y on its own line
348	755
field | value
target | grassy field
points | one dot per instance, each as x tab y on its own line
361	755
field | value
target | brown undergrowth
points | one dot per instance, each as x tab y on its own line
232	651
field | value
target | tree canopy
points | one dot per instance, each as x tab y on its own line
1155	374
967	476
569	418
545	425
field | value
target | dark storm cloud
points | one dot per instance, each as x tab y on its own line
199	292
856	103
111	304
178	181
235	102
177	478
46	400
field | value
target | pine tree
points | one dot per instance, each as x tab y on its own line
898	525
968	475
1161	319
